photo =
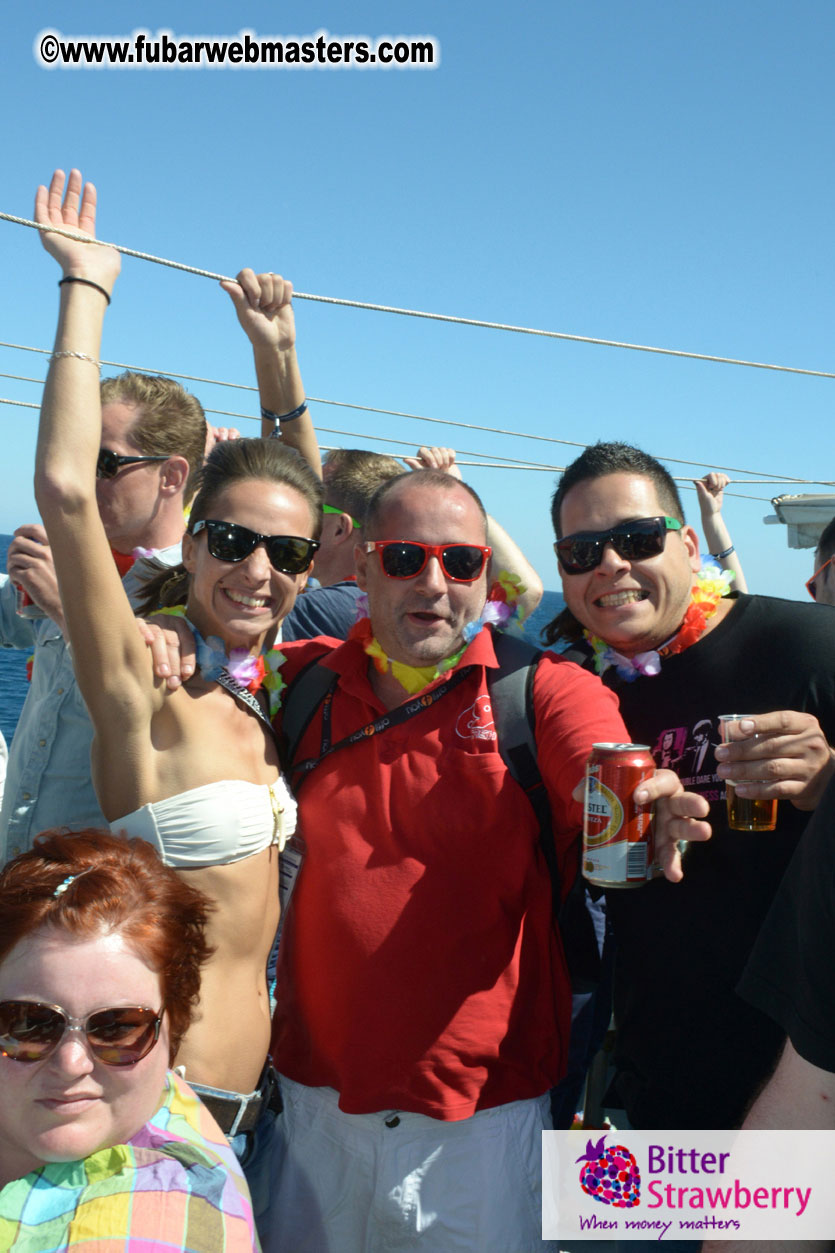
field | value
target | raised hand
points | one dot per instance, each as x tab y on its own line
81	257
710	490
434	458
263	305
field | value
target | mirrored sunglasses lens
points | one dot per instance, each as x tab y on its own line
641	542
228	542
289	554
402	561
637	547
578	556
106	464
29	1032
119	1037
463	562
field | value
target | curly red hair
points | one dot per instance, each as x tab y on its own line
119	885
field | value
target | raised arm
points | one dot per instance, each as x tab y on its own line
107	650
507	555
263	303
710	491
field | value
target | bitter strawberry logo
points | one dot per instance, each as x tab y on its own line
610	1175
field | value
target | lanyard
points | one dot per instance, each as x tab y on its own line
392	719
224	678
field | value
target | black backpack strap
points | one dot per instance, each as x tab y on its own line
511	702
300	702
514	718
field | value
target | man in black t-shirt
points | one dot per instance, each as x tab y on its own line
690	1053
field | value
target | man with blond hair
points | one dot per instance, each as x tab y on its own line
153	437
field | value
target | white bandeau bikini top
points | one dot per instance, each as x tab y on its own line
216	823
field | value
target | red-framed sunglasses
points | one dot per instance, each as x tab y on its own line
405	558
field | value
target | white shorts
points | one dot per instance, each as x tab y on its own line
379	1183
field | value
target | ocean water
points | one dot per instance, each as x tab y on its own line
12	673
13	663
551	604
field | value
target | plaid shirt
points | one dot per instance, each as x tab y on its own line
175	1185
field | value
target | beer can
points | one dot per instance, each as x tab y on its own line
618	850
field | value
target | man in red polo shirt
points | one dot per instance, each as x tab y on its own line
423	999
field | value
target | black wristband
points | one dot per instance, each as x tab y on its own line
721	556
284	417
88	282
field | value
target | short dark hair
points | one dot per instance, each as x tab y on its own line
616	458
429	478
118	885
169	420
593	463
353	476
241	460
826	543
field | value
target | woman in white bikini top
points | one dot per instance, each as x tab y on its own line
194	770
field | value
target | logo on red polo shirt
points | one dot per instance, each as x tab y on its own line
476	723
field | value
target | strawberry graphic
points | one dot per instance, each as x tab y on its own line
610	1175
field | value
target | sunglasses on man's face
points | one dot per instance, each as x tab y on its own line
227	541
637	540
30	1031
404	559
108	464
812	584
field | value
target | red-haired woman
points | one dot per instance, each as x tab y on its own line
101	947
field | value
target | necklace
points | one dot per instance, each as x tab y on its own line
411	678
710	586
500	610
250	672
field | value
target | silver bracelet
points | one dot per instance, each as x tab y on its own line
82	356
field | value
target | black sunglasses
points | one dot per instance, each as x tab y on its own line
289	554
812	584
30	1031
404	559
108	464
634	541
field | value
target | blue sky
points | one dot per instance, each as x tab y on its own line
651	172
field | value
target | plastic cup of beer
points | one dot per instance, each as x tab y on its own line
744	814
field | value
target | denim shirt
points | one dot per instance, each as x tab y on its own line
48	781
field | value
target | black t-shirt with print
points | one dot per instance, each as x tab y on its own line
690	1053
